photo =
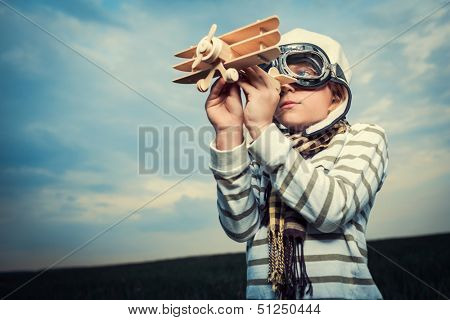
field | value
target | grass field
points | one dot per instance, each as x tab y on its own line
223	276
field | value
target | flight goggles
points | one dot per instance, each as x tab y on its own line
306	63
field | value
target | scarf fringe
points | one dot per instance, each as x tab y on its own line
287	281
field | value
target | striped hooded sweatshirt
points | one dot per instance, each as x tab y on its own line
334	191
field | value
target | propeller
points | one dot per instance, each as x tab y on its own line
204	46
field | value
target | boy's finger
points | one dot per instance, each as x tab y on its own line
254	78
216	88
247	87
235	90
264	76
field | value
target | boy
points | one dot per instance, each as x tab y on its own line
300	193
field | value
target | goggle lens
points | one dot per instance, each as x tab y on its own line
305	65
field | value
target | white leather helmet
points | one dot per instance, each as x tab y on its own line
326	57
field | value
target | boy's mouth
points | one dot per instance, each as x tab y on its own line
288	104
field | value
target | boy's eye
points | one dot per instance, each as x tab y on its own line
308	72
302	70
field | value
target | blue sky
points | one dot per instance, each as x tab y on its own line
69	131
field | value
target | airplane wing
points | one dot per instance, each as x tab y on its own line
249	31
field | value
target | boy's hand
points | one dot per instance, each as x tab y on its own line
225	112
262	100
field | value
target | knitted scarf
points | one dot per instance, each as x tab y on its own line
287	228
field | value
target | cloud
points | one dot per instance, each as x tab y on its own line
90	11
23	58
419	46
413	165
406	117
377	111
411	211
366	78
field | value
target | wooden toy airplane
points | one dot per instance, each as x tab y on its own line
228	54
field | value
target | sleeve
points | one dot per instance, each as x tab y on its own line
330	199
237	201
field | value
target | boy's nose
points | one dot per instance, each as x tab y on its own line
285	88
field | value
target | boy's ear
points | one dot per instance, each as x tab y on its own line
333	105
338	93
